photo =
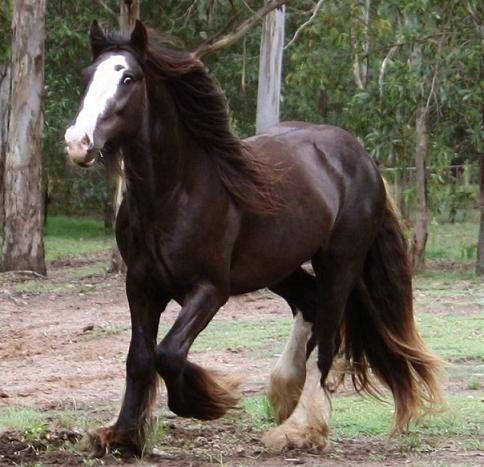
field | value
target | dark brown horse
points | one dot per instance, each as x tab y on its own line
206	216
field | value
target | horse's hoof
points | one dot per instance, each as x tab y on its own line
108	439
294	436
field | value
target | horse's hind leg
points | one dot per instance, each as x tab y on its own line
308	425
127	434
299	402
337	270
289	373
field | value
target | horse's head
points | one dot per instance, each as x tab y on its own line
111	109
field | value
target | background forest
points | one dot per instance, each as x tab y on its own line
373	67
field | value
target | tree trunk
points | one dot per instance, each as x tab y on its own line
23	247
129	13
421	219
5	84
360	63
480	244
270	70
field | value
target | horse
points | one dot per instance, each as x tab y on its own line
207	215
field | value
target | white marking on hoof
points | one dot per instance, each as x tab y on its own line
308	425
289	373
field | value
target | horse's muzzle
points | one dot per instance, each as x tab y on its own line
80	151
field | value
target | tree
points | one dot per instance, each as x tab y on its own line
480	243
270	70
5	83
420	235
23	247
129	13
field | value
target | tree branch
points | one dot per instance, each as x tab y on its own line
381	78
434	78
216	42
107	8
305	24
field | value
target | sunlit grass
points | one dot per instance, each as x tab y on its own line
355	416
66	236
454	242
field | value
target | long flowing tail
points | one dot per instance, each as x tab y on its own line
380	333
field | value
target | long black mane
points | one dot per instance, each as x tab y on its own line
202	110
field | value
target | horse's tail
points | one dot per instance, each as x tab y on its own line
380	332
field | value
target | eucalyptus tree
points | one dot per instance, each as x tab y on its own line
270	70
23	247
5	82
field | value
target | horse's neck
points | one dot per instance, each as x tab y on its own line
156	164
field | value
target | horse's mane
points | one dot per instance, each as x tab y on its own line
202	109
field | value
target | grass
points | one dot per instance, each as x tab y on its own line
454	338
356	416
248	334
65	236
454	242
65	284
259	410
21	418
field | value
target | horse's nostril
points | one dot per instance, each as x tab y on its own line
86	141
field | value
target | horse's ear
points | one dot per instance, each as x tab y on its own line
98	39
139	36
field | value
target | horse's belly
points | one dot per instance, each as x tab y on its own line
268	253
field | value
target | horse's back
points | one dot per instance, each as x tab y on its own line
333	159
324	179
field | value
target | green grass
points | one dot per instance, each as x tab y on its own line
454	242
355	416
250	334
65	285
259	410
66	236
21	418
454	338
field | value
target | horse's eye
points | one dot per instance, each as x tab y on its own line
127	80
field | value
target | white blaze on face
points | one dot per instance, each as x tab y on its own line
102	88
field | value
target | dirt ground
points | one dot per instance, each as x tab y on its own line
65	348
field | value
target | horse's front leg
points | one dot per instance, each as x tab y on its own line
146	302
192	390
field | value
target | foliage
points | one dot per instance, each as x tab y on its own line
318	80
5	20
435	63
